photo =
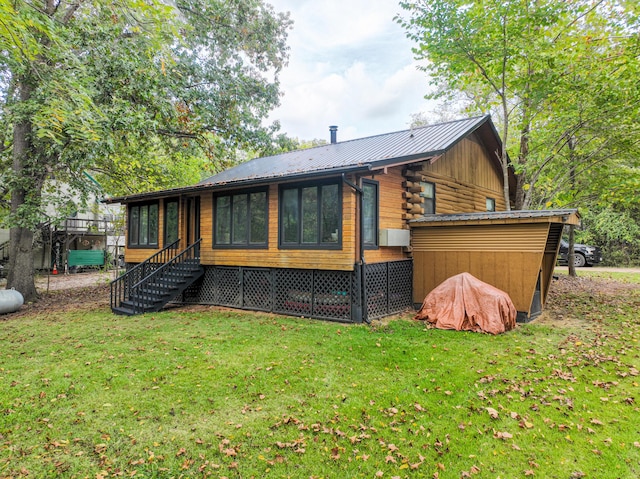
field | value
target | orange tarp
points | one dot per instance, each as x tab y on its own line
465	303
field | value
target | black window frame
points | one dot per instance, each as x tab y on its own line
247	244
148	244
427	198
167	202
493	202
299	244
376	226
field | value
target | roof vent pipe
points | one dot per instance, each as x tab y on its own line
333	129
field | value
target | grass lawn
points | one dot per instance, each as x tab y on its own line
210	393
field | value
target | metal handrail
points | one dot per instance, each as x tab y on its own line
190	252
4	250
121	286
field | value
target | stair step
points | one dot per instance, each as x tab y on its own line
122	311
145	300
161	289
156	289
141	308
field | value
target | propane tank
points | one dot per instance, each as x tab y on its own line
10	300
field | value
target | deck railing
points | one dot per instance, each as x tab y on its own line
164	274
4	250
121	287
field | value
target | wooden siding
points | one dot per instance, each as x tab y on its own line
390	214
464	178
468	162
138	255
509	257
273	257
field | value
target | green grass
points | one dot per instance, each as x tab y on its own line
240	395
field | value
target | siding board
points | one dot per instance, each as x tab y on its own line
273	256
390	213
508	257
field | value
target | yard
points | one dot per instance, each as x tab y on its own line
208	392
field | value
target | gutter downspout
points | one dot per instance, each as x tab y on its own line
363	290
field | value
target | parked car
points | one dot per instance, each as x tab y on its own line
584	255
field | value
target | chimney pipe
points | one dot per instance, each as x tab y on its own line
333	129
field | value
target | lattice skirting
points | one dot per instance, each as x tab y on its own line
332	295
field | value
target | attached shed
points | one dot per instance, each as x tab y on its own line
514	251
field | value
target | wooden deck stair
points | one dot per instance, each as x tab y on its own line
149	286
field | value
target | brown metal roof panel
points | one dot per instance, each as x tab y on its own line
570	216
353	155
414	143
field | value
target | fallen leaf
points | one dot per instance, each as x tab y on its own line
492	412
335	453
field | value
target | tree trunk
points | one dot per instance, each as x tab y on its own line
520	193
571	255
21	276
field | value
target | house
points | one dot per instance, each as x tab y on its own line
342	231
89	237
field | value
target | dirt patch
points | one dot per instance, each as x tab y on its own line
90	291
68	292
559	310
73	281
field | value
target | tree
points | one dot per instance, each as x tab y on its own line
105	85
555	72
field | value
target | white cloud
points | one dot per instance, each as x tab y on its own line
350	65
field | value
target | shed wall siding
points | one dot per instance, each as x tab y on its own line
508	257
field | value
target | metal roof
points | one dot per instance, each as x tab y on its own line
363	153
496	215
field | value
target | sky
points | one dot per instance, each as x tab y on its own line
350	65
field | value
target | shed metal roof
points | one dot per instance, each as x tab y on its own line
568	216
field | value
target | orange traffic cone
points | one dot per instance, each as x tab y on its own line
55	269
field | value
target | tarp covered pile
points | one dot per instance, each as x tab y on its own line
465	303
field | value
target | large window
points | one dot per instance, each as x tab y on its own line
170	221
143	225
311	216
240	220
429	195
370	213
